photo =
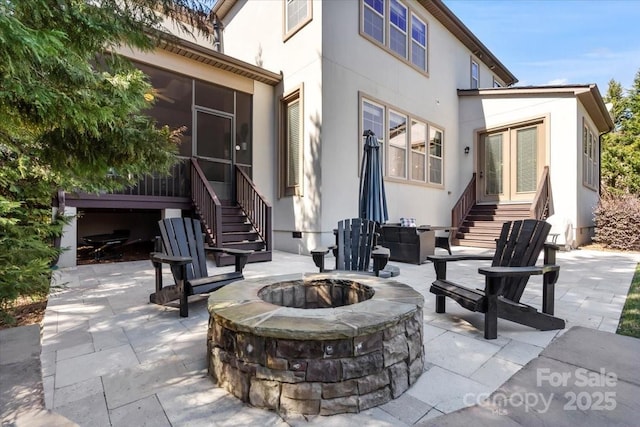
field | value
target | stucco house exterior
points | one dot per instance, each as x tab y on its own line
308	77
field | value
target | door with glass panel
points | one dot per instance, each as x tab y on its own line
510	163
215	151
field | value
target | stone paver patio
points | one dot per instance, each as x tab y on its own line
109	357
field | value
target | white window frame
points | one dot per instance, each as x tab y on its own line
287	31
404	32
388	109
383	16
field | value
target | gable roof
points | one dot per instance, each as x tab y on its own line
447	18
589	96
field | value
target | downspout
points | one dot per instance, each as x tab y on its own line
218	40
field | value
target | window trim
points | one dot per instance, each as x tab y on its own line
295	95
286	35
387	108
385	44
426	42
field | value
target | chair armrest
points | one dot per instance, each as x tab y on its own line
318	256
158	257
322	250
517	271
380	252
236	252
461	257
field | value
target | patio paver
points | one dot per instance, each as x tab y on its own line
139	363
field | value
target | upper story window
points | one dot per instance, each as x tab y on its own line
590	151
418	42
475	75
297	13
496	83
412	148
398	29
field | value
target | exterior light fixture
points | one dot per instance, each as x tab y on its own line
466	150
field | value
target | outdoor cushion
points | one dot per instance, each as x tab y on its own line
408	222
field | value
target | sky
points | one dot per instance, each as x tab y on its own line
559	41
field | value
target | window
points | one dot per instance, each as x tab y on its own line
397	145
373	19
475	75
590	152
418	151
398	28
407	155
418	43
435	155
496	83
407	33
297	14
291	144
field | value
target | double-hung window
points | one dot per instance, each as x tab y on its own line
412	148
373	19
396	28
418	42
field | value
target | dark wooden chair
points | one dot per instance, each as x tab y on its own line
184	252
517	251
355	247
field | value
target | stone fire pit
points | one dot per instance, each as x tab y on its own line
316	343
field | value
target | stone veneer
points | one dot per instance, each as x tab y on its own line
279	356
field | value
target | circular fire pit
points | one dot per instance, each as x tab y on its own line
316	343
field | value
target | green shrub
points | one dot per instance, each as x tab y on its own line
617	224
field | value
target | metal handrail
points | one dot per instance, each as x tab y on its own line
207	204
255	206
464	203
542	205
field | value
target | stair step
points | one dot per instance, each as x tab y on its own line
256	246
261	256
233	219
239	236
236	227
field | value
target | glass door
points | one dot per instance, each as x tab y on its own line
510	164
214	150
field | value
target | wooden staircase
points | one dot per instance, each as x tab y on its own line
483	223
243	225
239	233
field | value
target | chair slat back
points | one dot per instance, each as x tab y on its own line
183	237
355	240
519	245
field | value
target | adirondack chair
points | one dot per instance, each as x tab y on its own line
355	247
517	251
184	252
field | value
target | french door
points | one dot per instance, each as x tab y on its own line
510	163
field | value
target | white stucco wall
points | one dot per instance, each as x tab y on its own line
334	63
560	113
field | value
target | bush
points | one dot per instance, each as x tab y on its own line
617	225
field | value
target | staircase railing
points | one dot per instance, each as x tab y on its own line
464	203
255	206
542	205
207	203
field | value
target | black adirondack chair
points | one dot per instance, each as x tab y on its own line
517	251
184	252
355	247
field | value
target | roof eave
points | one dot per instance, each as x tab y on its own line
452	23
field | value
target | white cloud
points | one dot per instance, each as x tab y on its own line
558	82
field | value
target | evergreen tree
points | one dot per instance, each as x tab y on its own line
70	113
620	167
